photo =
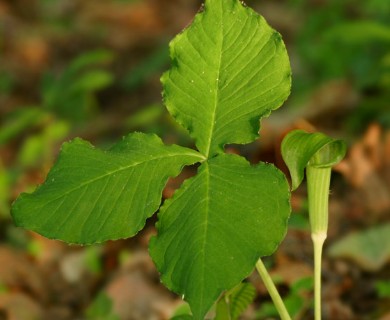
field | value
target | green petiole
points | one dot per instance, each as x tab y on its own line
272	290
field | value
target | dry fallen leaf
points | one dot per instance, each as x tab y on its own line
385	317
18	306
19	273
367	169
134	297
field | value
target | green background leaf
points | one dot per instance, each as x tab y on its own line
101	309
229	70
214	229
300	148
92	195
370	249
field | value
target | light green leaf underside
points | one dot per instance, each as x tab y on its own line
182	312
211	233
300	149
92	195
229	69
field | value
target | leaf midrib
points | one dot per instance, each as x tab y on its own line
216	94
207	188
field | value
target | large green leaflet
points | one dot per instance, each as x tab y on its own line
215	228
229	69
91	195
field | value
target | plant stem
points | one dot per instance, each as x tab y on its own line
318	181
318	241
273	292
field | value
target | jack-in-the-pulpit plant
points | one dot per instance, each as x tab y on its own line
229	69
316	153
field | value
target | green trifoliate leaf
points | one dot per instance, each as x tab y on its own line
92	195
217	225
300	149
230	68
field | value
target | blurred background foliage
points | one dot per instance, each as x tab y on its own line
91	69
